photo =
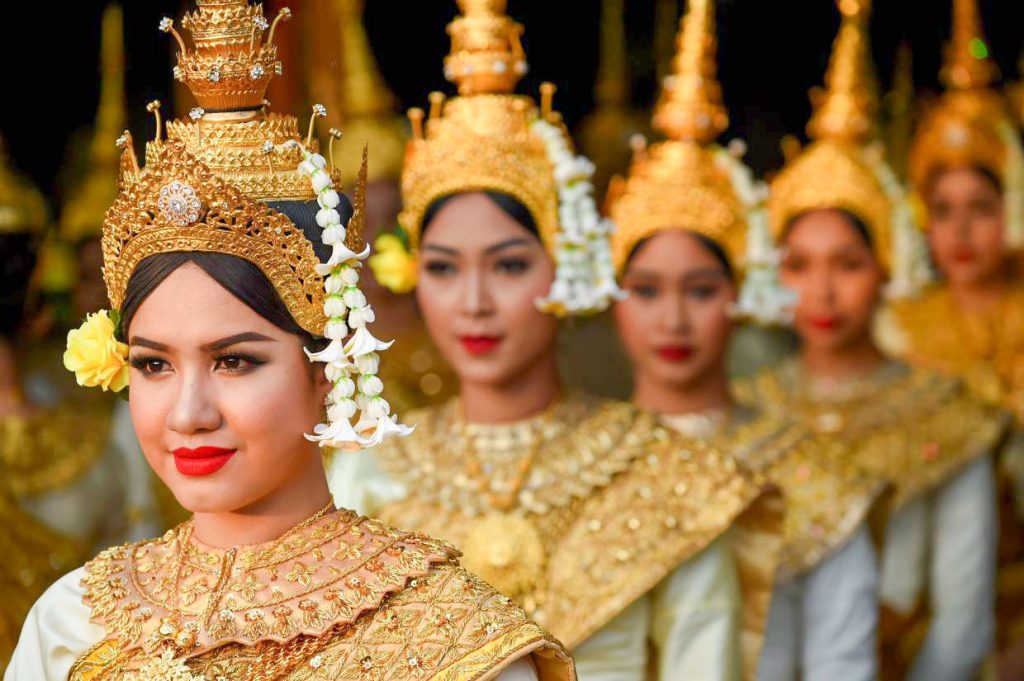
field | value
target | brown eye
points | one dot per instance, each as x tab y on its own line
439	268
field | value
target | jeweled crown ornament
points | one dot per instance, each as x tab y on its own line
971	124
234	57
489	139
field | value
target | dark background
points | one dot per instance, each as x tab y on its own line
770	54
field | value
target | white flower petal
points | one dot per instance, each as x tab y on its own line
363	343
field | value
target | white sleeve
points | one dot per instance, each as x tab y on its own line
962	577
56	633
696	618
521	670
840	615
359	484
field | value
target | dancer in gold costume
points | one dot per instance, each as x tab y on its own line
416	375
687	215
841	215
216	286
967	171
584	510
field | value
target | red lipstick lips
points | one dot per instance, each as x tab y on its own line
824	323
479	345
675	353
202	460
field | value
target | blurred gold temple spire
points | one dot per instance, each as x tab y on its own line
605	134
690	107
966	63
83	213
845	111
899	110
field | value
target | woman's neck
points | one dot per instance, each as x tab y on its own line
839	364
529	394
709	394
980	295
269	518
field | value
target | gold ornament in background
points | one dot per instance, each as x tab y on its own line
481	140
82	217
963	128
506	550
679	183
899	104
838	169
366	107
22	208
605	134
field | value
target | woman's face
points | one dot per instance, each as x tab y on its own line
480	275
837	277
220	401
676	322
965	226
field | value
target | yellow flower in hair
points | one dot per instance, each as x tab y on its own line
95	355
393	265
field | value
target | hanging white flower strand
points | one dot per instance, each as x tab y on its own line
351	365
584	273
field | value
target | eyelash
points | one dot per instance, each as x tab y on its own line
142	363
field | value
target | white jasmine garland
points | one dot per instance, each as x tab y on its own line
584	276
351	362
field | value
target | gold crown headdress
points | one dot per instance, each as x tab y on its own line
22	208
971	124
844	167
490	139
689	183
204	189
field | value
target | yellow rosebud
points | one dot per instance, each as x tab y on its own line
392	265
95	355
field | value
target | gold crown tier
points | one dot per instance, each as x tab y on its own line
481	143
971	124
233	59
680	183
841	169
486	55
254	156
175	203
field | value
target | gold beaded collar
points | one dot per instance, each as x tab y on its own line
170	593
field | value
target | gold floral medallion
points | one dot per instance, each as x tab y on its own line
507	551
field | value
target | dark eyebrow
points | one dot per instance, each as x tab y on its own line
243	337
508	243
440	249
687	276
209	347
146	343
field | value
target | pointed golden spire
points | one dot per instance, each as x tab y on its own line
363	91
486	55
83	215
899	110
967	65
691	106
610	89
355	231
22	208
846	110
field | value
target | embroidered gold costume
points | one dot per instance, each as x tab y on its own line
338	596
578	512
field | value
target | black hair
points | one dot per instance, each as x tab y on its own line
16	266
238	276
859	225
508	204
709	244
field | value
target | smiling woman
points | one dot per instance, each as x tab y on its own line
232	267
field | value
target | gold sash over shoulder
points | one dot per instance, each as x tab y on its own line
341	598
612	504
912	427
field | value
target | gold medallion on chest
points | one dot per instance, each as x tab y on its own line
507	551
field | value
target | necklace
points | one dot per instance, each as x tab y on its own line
503	546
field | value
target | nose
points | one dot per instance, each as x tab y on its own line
476	294
676	315
194	409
